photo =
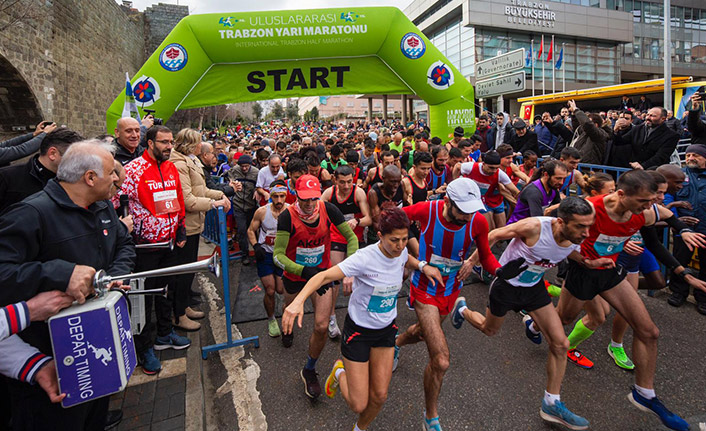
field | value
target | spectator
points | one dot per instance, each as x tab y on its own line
24	145
652	143
56	240
693	193
20	181
523	139
545	137
482	131
625	103
197	200
590	137
694	123
673	123
644	104
500	132
244	204
208	160
127	140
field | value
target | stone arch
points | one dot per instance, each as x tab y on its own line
19	108
213	59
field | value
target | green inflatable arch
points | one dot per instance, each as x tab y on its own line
215	59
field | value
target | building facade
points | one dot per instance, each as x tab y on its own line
350	106
604	42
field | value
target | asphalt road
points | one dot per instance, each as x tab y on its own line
492	384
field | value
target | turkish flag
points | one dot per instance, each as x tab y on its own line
551	49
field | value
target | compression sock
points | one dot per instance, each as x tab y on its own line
551	399
579	334
647	393
310	363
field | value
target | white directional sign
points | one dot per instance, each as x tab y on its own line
503	63
506	84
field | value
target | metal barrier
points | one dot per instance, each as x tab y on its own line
681	148
215	231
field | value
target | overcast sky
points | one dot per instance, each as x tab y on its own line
212	6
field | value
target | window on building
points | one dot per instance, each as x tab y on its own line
350	104
336	104
363	104
637	11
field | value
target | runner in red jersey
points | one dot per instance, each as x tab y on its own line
618	216
303	249
448	229
296	167
353	204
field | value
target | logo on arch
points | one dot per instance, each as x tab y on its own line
229	21
439	76
412	46
173	57
146	91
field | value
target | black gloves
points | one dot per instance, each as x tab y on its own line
511	269
260	252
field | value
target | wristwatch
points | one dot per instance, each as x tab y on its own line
422	264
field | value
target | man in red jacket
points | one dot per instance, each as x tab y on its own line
158	212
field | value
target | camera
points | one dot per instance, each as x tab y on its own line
157	121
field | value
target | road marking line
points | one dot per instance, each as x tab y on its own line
242	372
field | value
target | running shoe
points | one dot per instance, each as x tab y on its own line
150	363
333	331
654	405
456	316
409	304
273	328
431	424
559	414
577	358
553	290
535	338
478	270
172	341
620	357
397	355
288	339
332	382
312	388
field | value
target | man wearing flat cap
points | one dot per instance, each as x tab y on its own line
523	139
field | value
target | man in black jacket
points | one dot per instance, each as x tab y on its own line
24	145
56	240
20	181
209	160
651	143
523	139
129	138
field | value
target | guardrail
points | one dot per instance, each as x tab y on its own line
215	230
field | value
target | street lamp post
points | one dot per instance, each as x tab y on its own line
667	56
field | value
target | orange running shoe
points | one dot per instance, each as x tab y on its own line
579	359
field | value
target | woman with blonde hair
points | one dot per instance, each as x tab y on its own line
197	199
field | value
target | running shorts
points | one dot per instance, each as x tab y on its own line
495	210
268	267
586	283
644	263
294	287
445	304
356	341
504	297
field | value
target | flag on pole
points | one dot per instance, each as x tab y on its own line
529	59
130	108
551	50
541	48
560	60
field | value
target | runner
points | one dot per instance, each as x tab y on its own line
261	234
364	374
295	169
449	228
528	166
618	216
415	190
388	190
488	176
303	249
541	243
374	175
353	204
315	170
439	175
571	157
541	193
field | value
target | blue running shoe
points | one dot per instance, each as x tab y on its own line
559	414
478	270
172	341
409	304
654	405
150	363
456	316
535	338
397	355
431	424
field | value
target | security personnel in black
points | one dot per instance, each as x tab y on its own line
56	240
20	181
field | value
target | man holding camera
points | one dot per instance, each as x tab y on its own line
24	145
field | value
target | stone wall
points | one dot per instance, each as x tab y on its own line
73	58
160	19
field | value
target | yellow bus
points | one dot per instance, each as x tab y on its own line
606	98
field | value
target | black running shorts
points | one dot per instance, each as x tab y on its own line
586	283
504	297
357	341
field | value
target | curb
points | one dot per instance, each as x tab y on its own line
195	418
